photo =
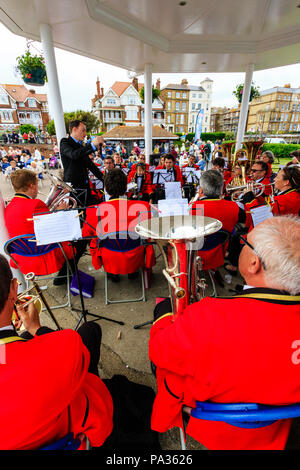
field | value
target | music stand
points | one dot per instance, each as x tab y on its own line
83	310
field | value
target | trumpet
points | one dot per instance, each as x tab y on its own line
37	299
58	192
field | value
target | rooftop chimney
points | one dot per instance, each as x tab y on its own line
98	87
158	83
184	81
135	83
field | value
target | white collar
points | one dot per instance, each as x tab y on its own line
8	327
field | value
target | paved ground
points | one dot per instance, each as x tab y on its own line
124	349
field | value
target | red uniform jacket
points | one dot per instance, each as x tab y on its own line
46	392
112	216
147	186
229	213
19	210
287	203
228	350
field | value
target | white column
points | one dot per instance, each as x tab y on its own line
148	111
55	102
244	106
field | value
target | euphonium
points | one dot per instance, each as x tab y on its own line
58	192
179	238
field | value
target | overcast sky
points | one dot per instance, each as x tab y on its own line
77	75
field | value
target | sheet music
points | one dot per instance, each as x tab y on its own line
173	190
192	175
162	176
259	214
169	207
57	227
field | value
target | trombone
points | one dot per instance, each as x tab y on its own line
30	277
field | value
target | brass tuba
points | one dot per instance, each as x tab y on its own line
252	147
179	238
58	192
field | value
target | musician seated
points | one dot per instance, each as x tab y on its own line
115	215
141	159
238	349
210	204
56	376
143	190
191	163
219	165
287	198
19	221
118	161
108	163
258	174
268	158
171	167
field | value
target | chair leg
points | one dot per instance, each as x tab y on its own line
139	299
182	441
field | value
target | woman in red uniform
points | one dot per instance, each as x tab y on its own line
144	187
287	182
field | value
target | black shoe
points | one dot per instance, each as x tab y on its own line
113	277
133	275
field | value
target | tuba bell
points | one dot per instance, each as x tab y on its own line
58	192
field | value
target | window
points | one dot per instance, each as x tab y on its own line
194	95
181	129
284	97
169	119
131	99
200	95
169	94
183	95
193	106
177	94
182	119
169	105
131	114
111	101
31	103
286	117
177	106
4	99
183	106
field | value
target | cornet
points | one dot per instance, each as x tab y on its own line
38	299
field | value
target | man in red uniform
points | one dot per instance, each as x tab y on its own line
235	349
53	377
18	219
209	204
144	187
118	214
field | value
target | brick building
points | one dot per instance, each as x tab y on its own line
122	105
18	105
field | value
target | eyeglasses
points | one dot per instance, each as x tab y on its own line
254	250
253	171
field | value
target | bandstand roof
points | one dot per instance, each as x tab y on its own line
202	36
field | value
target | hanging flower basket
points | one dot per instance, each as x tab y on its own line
238	92
32	69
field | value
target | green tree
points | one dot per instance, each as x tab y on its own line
25	128
155	93
91	121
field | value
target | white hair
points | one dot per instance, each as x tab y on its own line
277	241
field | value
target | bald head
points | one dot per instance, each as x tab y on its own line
276	242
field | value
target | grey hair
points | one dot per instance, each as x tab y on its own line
277	241
211	182
270	155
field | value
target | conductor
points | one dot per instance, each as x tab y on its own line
76	161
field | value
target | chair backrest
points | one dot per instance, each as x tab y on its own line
25	245
120	241
214	240
67	442
244	415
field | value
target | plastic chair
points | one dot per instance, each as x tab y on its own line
122	242
211	242
68	442
25	245
242	415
